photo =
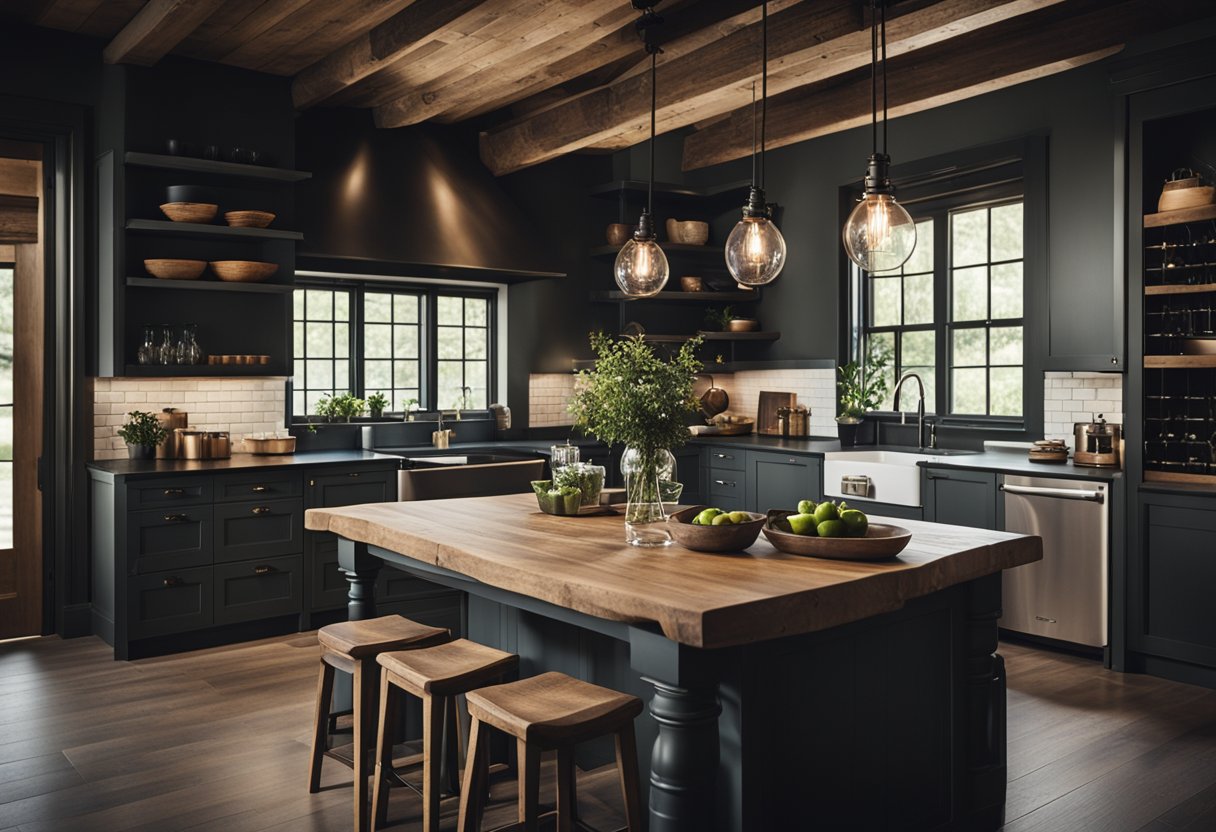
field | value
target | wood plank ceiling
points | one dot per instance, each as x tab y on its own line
542	78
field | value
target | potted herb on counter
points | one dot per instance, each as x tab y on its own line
377	403
142	433
863	386
635	398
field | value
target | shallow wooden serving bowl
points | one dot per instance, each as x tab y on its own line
243	271
880	543
732	538
175	269
189	211
248	219
272	446
688	232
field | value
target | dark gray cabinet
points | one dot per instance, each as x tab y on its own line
776	480
169	602
168	538
258	529
261	588
688	472
960	498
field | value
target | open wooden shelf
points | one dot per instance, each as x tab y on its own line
1180	289
214	166
732	191
716	336
1203	212
684	297
1157	362
680	250
202	230
192	370
210	286
1170	476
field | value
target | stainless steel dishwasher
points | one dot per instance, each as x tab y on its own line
1063	596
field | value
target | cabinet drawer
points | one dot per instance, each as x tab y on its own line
396	585
273	485
180	491
352	487
328	586
258	529
726	458
727	483
255	589
169	602
168	538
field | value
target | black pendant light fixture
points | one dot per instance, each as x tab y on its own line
755	249
641	268
879	234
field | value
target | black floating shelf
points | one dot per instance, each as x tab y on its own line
714	336
707	252
193	165
192	370
210	286
736	191
680	297
202	230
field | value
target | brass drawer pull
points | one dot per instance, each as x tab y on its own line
724	482
352	475
724	456
175	492
261	510
176	518
263	570
258	489
172	582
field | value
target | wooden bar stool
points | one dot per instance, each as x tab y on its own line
436	675
551	711
353	646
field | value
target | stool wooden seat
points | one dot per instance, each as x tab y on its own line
436	675
551	711
352	646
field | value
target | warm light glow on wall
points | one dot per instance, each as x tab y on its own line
356	176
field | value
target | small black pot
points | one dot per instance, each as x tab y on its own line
847	431
191	193
141	451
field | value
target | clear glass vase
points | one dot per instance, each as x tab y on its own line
645	521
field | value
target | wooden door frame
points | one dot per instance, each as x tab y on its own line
63	130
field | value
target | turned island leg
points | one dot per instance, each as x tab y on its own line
684	763
361	569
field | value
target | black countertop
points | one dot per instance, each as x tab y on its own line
140	468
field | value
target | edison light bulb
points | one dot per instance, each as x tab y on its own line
641	268
755	251
879	235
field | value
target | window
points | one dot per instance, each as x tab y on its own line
419	347
953	312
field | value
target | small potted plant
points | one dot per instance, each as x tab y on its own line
347	407
863	386
142	433
410	406
377	403
719	319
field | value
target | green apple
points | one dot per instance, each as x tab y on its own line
706	517
806	506
826	511
832	528
739	517
722	520
855	522
802	524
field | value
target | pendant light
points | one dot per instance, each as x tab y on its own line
641	268
879	234
755	249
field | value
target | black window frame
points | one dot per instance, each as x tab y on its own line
429	294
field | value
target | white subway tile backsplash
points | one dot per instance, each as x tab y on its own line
1079	397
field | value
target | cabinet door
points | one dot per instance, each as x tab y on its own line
960	498
169	602
1174	582
328	586
727	489
350	487
781	480
688	472
256	589
258	529
168	538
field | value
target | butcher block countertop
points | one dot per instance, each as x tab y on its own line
697	599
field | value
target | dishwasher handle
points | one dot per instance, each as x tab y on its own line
1098	496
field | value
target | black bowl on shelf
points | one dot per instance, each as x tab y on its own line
191	193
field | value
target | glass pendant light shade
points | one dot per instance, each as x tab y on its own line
755	251
641	268
879	234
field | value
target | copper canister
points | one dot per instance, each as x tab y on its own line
171	419
191	444
219	445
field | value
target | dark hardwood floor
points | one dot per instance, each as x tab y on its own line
217	740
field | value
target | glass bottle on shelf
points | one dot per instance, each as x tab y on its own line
187	351
148	353
167	351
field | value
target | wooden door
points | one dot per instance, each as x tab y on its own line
22	291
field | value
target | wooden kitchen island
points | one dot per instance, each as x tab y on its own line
785	693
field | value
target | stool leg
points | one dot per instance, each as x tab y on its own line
452	745
627	769
432	752
384	753
320	730
567	791
472	791
364	681
529	785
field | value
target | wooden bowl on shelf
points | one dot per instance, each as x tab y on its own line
248	219
243	271
743	325
688	232
618	233
688	283
167	269
203	212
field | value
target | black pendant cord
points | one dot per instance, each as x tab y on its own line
883	25
654	52
763	84
874	76
755	180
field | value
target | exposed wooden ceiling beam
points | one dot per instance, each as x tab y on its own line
390	41
821	39
156	29
992	58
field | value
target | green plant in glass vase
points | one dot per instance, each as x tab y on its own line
863	387
636	398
